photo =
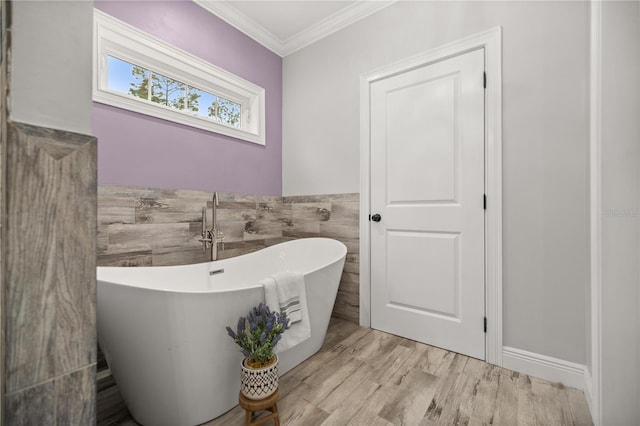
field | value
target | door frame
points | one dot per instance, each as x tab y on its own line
491	41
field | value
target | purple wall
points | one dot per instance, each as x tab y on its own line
137	150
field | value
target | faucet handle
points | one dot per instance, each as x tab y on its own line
205	242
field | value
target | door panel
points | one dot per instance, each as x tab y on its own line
422	116
427	182
422	266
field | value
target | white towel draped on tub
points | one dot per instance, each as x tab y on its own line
285	292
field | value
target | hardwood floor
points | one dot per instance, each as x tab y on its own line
367	377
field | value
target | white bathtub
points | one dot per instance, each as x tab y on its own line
162	329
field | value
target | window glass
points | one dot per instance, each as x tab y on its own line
131	79
167	91
124	77
204	100
225	111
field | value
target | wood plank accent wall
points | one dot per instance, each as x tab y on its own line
49	279
333	216
144	227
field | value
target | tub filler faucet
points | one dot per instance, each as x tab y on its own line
211	237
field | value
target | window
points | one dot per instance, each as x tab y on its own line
135	71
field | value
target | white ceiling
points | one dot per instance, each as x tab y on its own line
286	26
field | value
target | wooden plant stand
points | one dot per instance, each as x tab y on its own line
252	406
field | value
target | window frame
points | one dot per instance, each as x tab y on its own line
115	38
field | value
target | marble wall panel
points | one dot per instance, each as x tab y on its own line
4	97
49	280
32	406
65	400
81	409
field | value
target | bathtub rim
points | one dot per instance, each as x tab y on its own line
245	286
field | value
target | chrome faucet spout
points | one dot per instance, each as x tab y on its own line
211	237
214	227
216	202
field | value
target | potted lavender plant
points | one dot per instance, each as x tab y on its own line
256	335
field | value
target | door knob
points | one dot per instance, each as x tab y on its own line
376	217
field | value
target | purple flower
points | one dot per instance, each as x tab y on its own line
256	311
231	333
263	331
264	310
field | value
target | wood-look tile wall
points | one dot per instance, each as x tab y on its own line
140	226
333	216
49	278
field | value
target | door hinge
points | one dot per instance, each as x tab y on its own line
485	324
484	203
484	79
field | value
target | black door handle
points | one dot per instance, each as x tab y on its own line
376	217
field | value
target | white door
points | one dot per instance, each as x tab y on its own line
427	186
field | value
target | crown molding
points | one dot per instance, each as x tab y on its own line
333	23
347	16
242	22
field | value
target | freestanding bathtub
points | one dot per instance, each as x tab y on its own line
162	328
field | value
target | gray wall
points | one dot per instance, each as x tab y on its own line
51	64
545	142
620	160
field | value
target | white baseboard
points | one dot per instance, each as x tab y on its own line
544	367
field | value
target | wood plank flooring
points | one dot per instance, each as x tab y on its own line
367	377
